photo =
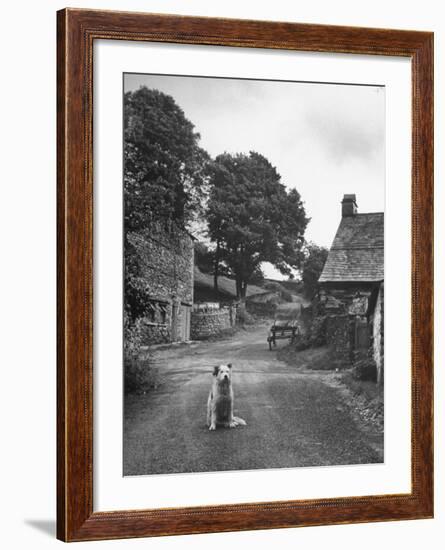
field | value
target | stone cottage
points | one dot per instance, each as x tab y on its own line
165	254
351	287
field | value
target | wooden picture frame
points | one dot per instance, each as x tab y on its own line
77	31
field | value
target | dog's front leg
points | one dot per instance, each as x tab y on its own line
212	417
232	422
212	422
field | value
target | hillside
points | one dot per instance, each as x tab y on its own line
225	285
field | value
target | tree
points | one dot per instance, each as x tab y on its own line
253	218
204	258
164	177
164	167
315	258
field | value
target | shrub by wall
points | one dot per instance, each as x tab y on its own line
262	309
338	337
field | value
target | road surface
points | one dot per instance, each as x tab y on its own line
293	418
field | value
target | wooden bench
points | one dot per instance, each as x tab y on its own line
282	330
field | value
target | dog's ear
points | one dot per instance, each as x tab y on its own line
215	370
229	365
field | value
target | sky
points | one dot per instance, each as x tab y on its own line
325	140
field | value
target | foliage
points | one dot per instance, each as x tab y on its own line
318	331
204	258
272	285
132	336
286	295
283	293
139	374
164	176
164	167
315	335
365	369
136	295
257	277
243	317
314	259
252	218
205	261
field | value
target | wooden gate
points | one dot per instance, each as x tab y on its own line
184	333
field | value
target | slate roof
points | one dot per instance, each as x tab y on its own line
356	255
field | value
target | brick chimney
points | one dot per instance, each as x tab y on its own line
348	206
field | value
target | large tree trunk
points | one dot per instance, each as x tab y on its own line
243	290
238	288
216	267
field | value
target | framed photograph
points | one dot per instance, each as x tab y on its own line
245	229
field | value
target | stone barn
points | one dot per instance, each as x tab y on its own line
351	287
165	255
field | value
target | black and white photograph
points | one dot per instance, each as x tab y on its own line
253	294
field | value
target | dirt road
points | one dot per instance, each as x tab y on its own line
293	418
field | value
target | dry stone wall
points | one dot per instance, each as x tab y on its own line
210	323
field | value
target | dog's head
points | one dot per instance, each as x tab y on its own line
223	373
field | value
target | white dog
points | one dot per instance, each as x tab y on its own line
220	402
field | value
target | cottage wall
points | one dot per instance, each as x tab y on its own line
341	304
350	283
346	307
165	255
352	299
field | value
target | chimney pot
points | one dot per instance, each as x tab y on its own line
348	206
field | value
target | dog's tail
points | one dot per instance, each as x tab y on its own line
240	421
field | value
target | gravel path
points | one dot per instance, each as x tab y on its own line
293	419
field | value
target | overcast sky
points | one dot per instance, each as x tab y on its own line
324	139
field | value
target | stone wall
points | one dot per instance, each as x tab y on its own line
347	306
166	260
211	323
165	256
341	305
156	333
351	299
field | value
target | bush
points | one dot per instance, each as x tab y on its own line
132	335
243	317
315	336
318	331
259	309
286	295
139	375
365	369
